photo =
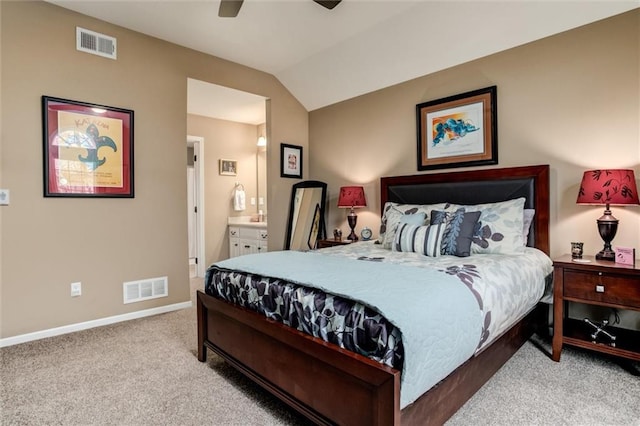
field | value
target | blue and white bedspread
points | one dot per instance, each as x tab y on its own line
429	315
506	286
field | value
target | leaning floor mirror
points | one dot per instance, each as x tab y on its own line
306	215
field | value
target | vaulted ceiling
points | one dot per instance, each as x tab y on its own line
326	56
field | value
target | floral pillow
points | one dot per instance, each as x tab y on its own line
460	227
425	240
393	212
499	228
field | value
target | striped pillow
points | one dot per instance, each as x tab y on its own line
425	240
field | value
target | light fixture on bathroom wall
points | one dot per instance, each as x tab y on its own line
262	141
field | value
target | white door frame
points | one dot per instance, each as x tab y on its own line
198	149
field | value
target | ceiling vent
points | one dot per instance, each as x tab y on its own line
137	291
96	43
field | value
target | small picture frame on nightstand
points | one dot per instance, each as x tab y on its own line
625	255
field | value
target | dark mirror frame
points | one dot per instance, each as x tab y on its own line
321	225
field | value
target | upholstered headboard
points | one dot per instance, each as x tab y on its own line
476	187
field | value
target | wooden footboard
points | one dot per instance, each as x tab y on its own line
321	381
330	385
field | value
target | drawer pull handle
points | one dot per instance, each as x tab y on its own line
599	289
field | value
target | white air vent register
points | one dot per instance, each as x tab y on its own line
137	291
96	43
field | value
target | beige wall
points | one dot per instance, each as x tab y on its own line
47	243
228	140
570	101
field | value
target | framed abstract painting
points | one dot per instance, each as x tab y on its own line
458	131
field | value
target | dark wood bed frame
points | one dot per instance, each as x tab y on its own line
330	385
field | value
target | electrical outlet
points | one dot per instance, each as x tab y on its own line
253	201
76	289
4	197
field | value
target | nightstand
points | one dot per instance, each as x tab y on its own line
332	243
594	283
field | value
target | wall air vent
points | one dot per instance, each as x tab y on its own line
137	291
96	43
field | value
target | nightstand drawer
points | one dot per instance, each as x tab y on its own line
602	287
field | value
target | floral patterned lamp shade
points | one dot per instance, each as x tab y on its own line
352	197
606	187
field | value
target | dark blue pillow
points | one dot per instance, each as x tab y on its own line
458	232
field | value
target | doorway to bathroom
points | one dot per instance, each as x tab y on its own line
232	125
195	205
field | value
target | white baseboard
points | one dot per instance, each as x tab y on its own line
9	341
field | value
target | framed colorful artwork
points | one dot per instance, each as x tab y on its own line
290	161
458	131
88	149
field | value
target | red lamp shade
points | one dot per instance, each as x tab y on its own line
615	186
352	197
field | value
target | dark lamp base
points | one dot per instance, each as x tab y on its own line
607	227
606	255
352	219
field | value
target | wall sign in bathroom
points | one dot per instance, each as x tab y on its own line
228	167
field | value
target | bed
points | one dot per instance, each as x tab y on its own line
323	381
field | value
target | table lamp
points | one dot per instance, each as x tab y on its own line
612	186
352	197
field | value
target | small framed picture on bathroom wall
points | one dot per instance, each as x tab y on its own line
228	167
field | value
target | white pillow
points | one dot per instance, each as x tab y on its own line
393	212
527	220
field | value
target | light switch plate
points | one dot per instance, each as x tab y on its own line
76	289
4	197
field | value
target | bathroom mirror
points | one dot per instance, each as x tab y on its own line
306	215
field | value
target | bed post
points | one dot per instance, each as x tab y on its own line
202	328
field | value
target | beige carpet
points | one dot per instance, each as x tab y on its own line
145	372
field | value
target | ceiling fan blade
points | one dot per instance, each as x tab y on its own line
329	4
229	8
